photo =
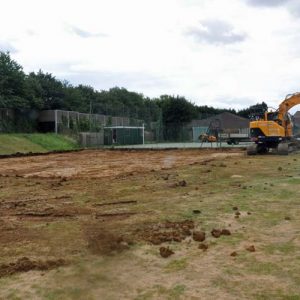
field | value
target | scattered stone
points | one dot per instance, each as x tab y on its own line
166	177
186	231
237	213
237	216
249	213
197	211
216	233
251	248
182	183
235	208
233	254
203	246
165	252
199	236
287	218
225	232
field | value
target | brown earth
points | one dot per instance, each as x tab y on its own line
24	264
99	164
108	213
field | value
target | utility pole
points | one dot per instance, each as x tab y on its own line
90	114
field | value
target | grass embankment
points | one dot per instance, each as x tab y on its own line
35	142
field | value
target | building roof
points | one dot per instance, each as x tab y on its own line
227	121
297	114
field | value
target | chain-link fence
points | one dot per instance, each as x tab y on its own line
18	120
72	123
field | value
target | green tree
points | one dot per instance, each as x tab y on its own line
257	109
51	90
12	83
12	77
176	112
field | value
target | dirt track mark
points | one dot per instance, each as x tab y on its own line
115	215
116	203
24	264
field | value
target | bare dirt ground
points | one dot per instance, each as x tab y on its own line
178	224
98	164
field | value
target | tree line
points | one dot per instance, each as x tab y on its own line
42	91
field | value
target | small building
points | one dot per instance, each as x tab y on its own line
296	120
123	135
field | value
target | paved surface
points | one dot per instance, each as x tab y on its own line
181	146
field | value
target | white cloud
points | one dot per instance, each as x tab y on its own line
6	46
215	32
236	54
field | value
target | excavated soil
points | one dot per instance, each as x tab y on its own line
49	194
24	264
105	163
102	241
157	234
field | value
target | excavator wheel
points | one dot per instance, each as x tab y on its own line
283	149
252	149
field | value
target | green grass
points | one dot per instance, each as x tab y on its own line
176	265
51	141
36	142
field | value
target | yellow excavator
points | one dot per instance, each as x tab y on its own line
274	130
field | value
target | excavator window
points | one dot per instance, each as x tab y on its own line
272	116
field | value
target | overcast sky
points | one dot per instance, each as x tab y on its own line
230	53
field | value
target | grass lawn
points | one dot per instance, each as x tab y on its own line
36	142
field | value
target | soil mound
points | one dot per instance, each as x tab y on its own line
24	264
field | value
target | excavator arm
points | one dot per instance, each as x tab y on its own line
289	102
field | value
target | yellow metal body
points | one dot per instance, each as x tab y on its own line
282	125
269	128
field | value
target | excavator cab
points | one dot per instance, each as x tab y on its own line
275	130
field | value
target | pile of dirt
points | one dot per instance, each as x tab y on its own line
104	242
165	252
166	232
218	232
24	264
